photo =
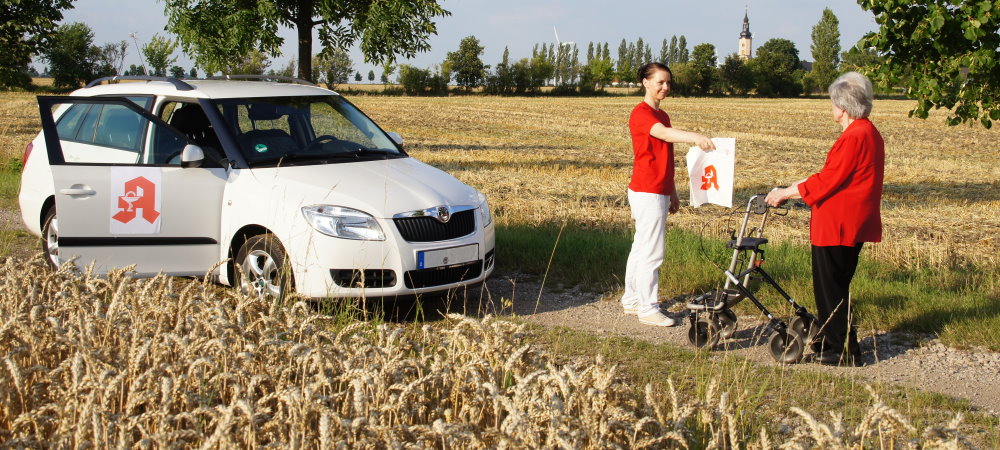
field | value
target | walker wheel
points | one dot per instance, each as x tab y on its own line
703	333
786	346
726	320
805	327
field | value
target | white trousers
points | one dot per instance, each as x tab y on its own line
642	272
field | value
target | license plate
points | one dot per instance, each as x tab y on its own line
447	256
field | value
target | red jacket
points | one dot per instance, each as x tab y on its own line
846	195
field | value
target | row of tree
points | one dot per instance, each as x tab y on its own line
943	51
776	71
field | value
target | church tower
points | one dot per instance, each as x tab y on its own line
746	39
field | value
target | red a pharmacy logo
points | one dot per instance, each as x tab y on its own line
710	179
140	193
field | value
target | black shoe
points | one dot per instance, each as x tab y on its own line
829	358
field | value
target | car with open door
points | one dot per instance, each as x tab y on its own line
290	184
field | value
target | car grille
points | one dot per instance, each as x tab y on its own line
429	229
370	278
438	276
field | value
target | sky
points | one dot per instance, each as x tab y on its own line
520	24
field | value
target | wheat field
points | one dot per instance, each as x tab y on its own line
118	362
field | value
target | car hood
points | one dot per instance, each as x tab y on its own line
381	187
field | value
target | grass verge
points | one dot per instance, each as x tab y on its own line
959	304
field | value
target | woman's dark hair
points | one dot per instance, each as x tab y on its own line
648	69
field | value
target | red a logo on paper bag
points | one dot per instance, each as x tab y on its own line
139	193
710	179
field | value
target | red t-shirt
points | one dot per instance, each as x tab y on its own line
653	167
846	195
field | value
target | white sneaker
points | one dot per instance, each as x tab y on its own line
657	319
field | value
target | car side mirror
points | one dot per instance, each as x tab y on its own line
192	156
396	138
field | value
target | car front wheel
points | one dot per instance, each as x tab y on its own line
263	268
50	238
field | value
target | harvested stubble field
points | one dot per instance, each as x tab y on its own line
548	160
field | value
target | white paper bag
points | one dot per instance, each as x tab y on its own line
712	173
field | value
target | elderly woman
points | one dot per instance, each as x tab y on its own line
845	197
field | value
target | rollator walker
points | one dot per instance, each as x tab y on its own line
711	315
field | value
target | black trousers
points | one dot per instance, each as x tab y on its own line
833	268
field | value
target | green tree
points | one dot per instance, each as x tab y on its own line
357	77
113	56
388	69
735	76
254	63
777	69
672	51
72	56
664	51
943	51
682	50
334	67
466	63
685	76
177	71
371	76
703	61
26	28
158	53
860	59
288	70
193	73
216	31
825	51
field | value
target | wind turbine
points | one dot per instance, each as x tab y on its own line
559	46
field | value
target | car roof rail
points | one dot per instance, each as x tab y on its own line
292	80
179	84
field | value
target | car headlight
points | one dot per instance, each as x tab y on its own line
485	216
341	222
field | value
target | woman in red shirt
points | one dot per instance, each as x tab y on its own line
651	193
845	197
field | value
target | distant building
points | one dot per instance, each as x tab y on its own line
746	39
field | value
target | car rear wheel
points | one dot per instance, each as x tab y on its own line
263	268
50	238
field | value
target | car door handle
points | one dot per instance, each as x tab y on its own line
78	191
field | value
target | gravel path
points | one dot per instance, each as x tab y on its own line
920	362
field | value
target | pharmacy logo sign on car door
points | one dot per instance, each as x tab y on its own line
135	200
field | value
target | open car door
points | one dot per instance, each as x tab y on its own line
122	196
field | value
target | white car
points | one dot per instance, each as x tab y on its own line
289	183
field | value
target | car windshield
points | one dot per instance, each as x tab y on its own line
283	131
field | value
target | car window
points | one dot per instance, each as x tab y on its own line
304	130
119	127
69	122
190	120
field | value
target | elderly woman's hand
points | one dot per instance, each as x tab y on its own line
777	196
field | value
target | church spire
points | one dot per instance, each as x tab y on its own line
746	39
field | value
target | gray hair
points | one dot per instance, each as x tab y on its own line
852	92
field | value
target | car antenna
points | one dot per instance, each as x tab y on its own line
141	59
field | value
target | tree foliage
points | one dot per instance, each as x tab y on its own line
777	69
73	58
333	67
825	51
944	51
217	31
158	52
735	76
703	61
466	64
26	26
